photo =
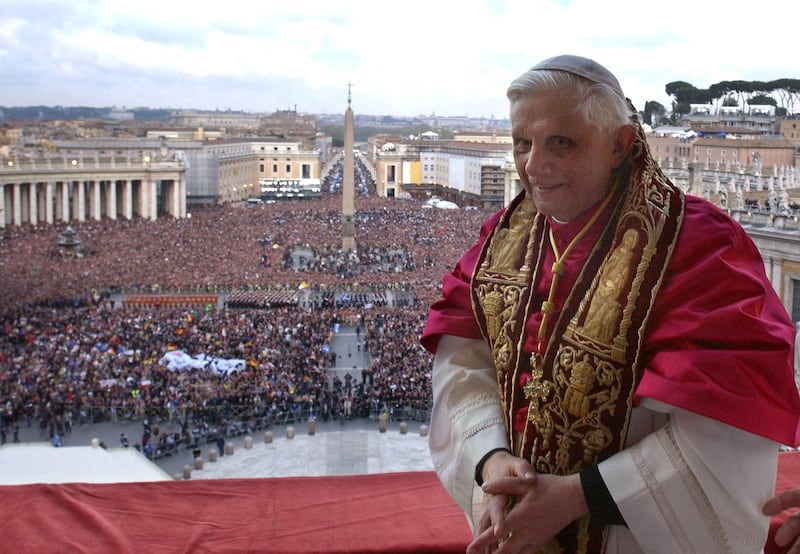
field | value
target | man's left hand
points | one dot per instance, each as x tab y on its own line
541	509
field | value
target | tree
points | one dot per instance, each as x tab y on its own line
762	99
684	94
653	111
788	90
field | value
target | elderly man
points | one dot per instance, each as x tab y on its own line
611	363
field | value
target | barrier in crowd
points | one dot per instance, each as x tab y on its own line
170	300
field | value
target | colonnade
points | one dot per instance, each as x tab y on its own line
29	195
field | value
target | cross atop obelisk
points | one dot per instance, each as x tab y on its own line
348	178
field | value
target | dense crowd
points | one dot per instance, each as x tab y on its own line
225	247
349	265
68	352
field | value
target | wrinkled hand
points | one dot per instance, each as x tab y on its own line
790	530
543	505
501	465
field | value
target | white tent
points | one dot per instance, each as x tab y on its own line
26	463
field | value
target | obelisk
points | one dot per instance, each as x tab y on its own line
348	178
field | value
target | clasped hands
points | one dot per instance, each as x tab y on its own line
522	510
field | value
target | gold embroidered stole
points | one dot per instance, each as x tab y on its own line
580	396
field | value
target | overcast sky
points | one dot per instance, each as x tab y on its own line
405	58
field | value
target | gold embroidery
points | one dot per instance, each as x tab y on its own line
494	306
509	242
576	399
605	310
586	393
500	305
595	442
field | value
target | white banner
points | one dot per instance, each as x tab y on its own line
177	360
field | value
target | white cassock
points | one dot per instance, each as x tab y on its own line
684	483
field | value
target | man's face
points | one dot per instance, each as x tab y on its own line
564	163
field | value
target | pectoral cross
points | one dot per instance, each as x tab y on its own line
536	390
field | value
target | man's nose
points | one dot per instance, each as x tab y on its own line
535	164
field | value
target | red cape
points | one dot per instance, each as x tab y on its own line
719	342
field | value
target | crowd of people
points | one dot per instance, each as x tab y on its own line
227	248
72	349
349	265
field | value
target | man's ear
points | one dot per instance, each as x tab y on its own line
622	144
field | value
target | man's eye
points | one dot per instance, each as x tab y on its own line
522	146
560	142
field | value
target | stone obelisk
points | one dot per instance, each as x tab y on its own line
348	178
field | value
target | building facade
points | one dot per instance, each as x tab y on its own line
145	177
468	173
75	186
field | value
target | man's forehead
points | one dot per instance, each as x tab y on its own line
548	105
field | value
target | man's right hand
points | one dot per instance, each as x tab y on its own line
501	464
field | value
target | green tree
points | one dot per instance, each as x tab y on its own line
762	99
653	111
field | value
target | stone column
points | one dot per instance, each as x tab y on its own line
148	204
97	201
49	202
2	205
17	204
65	194
127	199
153	194
80	202
175	198
111	199
33	205
182	193
775	274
